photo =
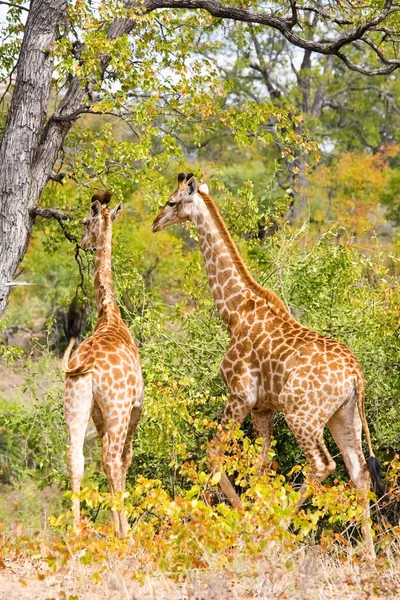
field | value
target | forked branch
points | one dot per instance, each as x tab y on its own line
53	213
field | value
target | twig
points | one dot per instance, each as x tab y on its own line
78	259
52	213
14	5
58	177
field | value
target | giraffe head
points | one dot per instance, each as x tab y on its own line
98	210
179	206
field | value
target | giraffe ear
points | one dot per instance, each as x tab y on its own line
191	184
116	211
95	208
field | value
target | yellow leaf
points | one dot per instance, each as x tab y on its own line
216	478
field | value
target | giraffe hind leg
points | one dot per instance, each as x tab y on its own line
112	452
98	420
314	447
110	468
346	429
78	403
127	452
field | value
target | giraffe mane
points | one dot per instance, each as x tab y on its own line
241	267
109	300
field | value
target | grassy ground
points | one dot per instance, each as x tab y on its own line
308	574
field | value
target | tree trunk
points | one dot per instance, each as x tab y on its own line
26	118
31	143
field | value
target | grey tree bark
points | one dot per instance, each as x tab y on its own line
22	134
31	142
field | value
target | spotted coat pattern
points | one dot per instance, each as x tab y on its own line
103	378
274	363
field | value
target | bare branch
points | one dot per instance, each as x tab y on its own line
295	16
319	100
262	67
326	16
13	5
58	177
395	64
53	213
68	118
50	213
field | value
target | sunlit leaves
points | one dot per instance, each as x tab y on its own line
177	534
352	189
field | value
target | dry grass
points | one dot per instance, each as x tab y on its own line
306	574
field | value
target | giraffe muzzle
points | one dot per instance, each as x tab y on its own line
157	226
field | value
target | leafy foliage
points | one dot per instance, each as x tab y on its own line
176	96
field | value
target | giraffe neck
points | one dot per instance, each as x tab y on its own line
104	292
230	283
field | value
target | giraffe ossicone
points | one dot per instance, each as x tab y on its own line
103	377
274	363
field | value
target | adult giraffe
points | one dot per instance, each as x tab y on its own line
103	378
275	363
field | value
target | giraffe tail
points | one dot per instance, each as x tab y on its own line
373	465
67	354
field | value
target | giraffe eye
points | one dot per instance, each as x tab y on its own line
171	203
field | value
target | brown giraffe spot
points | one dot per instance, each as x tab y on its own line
117	373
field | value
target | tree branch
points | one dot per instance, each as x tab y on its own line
58	177
13	5
295	16
326	16
53	213
50	213
285	26
262	67
73	104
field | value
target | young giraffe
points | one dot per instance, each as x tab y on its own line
274	363
103	377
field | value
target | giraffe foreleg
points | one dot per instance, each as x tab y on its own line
235	411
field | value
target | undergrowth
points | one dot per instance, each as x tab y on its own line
174	535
